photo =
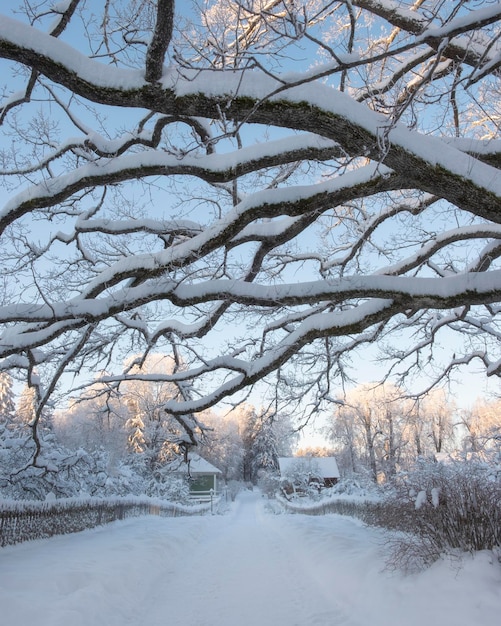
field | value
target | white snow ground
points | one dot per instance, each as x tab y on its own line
246	568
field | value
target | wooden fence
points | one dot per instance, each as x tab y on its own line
391	515
365	510
24	521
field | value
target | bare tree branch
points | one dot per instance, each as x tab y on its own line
298	182
160	40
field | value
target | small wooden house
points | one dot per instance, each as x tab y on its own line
203	476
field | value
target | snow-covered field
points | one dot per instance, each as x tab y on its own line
246	568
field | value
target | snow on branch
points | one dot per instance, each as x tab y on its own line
261	192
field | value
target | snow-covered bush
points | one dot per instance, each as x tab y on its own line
443	508
268	482
169	487
234	487
74	473
360	484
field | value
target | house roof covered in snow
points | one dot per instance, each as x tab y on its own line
326	465
198	465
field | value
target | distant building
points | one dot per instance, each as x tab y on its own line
300	471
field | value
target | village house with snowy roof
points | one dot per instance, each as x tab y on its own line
202	475
299	471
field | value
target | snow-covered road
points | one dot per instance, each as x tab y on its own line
245	568
250	570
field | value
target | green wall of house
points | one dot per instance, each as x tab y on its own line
203	483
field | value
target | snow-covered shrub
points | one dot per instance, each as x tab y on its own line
446	507
360	484
269	482
70	473
234	487
169	487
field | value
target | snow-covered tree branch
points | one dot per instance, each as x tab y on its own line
259	188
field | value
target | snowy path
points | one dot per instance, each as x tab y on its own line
249	572
245	568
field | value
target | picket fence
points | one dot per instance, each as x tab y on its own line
24	521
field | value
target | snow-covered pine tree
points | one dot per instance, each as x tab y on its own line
26	406
7	402
265	455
